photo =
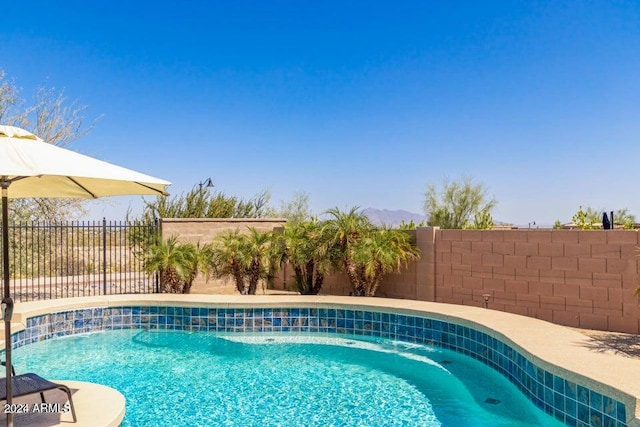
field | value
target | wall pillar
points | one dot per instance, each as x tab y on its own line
426	265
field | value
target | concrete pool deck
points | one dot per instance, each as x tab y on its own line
560	350
96	406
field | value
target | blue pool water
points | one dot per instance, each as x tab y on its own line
174	378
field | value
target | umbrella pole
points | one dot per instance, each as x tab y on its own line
7	302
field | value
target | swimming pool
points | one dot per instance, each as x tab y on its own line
201	378
566	396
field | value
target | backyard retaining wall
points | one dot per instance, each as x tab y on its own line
204	230
583	278
579	278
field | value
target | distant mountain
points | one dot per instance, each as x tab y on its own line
392	218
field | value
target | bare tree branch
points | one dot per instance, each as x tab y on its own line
57	121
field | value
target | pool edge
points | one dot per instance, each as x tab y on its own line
557	349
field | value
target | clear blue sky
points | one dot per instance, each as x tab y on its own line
355	102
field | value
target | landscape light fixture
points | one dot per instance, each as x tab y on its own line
207	182
486	300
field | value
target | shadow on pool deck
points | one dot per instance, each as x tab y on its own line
613	342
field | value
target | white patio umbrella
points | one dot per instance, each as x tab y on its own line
30	167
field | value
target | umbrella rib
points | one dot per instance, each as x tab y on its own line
95	197
83	187
10	181
151	188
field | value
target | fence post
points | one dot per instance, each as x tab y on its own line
156	235
104	256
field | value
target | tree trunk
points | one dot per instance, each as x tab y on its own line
297	270
254	277
169	281
374	284
238	277
317	284
351	269
308	278
186	288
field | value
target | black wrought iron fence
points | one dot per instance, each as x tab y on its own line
78	258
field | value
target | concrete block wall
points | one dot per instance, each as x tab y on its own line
404	284
401	284
204	230
576	278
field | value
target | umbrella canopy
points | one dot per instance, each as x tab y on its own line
35	168
30	167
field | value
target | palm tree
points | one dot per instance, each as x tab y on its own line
199	262
228	258
381	251
307	247
174	262
367	252
259	249
247	257
346	229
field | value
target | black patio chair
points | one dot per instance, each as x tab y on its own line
26	384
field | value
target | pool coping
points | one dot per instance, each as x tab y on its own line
558	349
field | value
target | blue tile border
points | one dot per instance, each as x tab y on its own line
571	403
